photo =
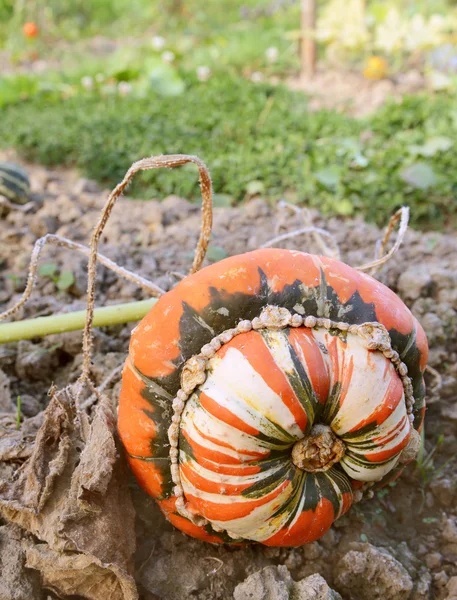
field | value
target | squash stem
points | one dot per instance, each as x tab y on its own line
73	321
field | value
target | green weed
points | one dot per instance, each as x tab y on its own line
62	279
18	412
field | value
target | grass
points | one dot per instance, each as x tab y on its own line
252	136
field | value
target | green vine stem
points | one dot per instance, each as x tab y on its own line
73	321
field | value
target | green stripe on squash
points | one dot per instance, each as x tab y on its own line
14	183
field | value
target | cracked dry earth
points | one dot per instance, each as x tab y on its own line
399	545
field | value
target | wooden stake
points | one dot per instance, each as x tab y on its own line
308	51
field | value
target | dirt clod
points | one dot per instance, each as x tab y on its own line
273	583
372	573
450	531
314	587
433	560
6	404
276	583
35	362
414	282
16	582
451	588
30	406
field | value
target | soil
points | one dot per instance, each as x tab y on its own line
401	544
351	93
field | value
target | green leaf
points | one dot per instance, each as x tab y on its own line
432	146
363	537
255	187
128	74
222	200
66	280
437	144
344	207
350	144
165	81
14	88
216	253
359	162
124	65
329	177
379	10
419	175
370	177
430	520
47	270
431	243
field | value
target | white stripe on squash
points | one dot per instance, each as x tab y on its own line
209	425
236	385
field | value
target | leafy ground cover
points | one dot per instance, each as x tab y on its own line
257	139
207	81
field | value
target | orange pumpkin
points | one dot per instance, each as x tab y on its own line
265	392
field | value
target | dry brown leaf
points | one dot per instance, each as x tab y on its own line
6	404
18	444
97	459
72	495
35	478
66	572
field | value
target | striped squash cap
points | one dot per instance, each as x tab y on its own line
266	392
14	183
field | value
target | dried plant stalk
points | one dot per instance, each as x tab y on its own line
295	233
154	162
401	215
318	234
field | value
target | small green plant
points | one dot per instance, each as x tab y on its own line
369	513
18	413
425	463
216	253
14	278
63	280
430	520
382	493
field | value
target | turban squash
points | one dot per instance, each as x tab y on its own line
14	183
265	392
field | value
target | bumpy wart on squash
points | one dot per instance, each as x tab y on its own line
266	392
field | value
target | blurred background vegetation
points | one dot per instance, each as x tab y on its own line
100	84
